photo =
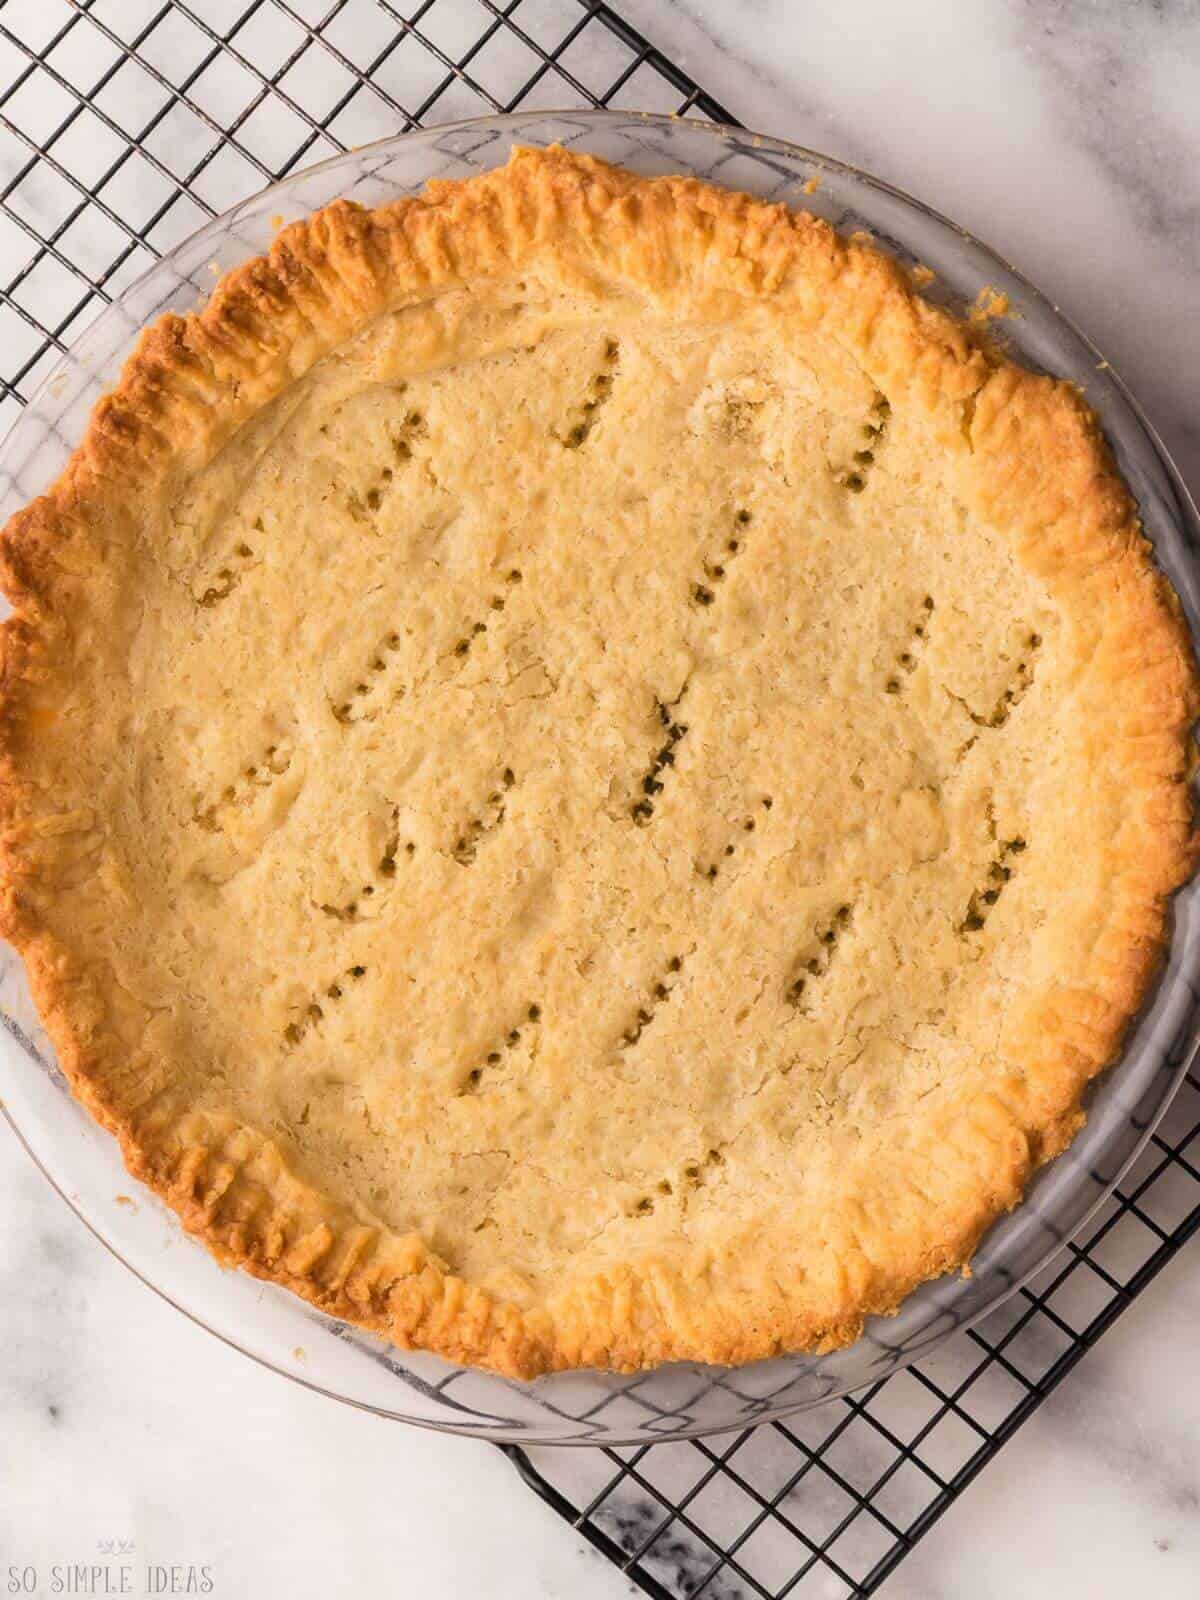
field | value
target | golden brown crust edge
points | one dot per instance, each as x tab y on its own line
1032	462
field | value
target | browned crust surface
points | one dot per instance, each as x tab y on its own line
1032	463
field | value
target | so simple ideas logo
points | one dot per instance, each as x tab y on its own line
108	1578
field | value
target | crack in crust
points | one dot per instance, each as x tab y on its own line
1031	464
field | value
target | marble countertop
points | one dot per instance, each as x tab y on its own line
1066	134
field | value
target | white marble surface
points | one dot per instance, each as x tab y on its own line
1068	135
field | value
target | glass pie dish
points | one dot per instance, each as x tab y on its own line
683	1399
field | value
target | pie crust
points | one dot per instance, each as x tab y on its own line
586	778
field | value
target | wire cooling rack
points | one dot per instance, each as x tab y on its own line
126	124
130	123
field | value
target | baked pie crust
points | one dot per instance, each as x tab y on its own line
587	779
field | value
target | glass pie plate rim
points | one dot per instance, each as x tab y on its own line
682	1400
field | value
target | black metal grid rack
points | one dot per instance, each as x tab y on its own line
130	123
126	124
